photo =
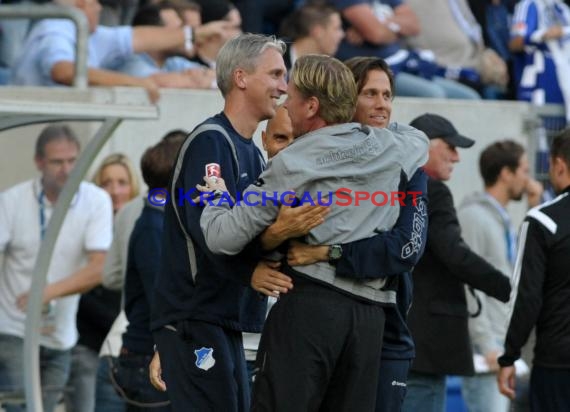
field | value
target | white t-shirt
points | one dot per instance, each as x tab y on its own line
87	227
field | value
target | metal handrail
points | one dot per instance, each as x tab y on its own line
57	11
549	109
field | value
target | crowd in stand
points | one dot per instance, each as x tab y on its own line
493	49
99	344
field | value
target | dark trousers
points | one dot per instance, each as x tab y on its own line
203	366
549	389
392	384
131	375
320	351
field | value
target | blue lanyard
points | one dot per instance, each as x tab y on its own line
43	224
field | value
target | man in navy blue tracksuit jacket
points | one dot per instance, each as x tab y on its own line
200	298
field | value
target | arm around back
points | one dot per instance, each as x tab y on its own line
397	250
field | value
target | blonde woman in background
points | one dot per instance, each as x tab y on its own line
117	176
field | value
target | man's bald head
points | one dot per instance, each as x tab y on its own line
278	134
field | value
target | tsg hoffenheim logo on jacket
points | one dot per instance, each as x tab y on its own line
205	358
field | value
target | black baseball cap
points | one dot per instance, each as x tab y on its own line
436	126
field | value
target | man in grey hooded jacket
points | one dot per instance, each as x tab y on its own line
488	230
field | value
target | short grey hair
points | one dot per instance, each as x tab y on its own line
242	52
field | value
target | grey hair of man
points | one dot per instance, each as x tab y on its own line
242	52
55	132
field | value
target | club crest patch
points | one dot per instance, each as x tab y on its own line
205	358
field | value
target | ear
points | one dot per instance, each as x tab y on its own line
316	31
506	174
313	105
240	78
39	161
559	166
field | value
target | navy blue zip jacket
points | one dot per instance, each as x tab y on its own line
193	283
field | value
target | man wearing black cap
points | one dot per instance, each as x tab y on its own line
438	317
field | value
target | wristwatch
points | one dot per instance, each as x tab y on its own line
335	253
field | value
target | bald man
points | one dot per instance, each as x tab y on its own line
278	133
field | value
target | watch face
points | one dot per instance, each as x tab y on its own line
335	252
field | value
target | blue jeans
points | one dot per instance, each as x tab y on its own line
481	394
106	397
84	363
54	371
414	86
426	393
132	377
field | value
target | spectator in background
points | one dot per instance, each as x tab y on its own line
457	43
117	176
98	307
167	68
312	29
212	11
543	293
438	315
48	57
118	12
264	16
540	34
487	229
494	17
143	261
377	28
13	34
107	399
189	11
77	262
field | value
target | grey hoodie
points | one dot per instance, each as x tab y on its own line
350	156
484	230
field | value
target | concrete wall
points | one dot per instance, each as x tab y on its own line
483	121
